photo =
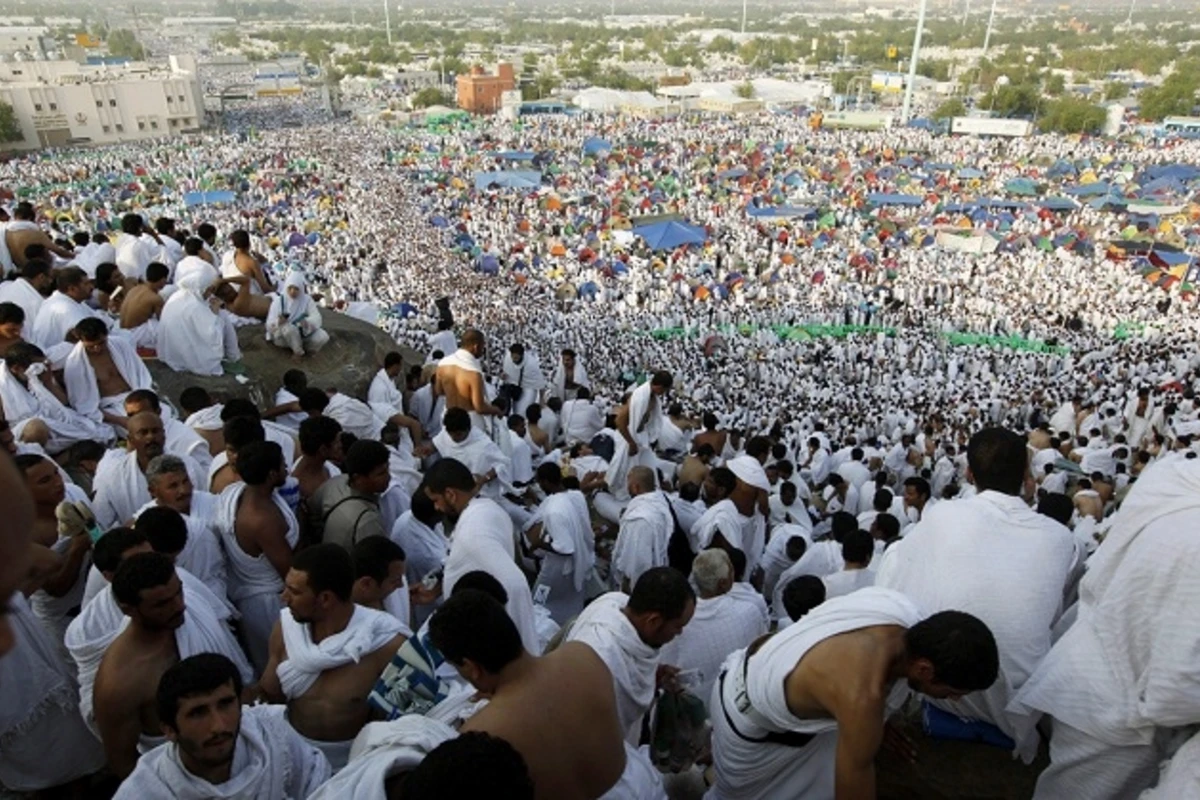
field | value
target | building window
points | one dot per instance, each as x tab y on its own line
141	125
107	128
99	104
181	98
37	106
120	128
17	72
112	102
154	124
54	106
173	122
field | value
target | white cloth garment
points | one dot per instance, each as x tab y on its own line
723	517
43	740
775	561
721	625
254	585
558	382
79	379
21	292
1125	671
425	548
101	621
642	539
567	531
56	318
479	454
367	631
1180	779
581	420
753	698
848	580
121	488
270	762
604	627
483	540
192	337
528	375
22	404
994	557
203	554
383	397
135	253
354	416
645	418
381	750
640	780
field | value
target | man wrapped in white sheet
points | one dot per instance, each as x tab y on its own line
28	391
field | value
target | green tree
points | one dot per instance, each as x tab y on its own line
723	45
1176	96
431	96
744	90
1013	100
10	129
951	108
1054	85
123	44
1072	115
1116	90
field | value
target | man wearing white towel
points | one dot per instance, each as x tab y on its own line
217	748
326	652
802	714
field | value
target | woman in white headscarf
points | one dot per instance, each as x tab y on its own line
294	320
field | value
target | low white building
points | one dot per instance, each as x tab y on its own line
25	40
62	102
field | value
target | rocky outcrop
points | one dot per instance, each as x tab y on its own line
354	354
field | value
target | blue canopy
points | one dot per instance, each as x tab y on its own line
510	179
1178	172
732	174
671	234
516	155
589	290
207	198
1059	204
997	202
488	265
595	144
1171	258
923	124
881	199
438	221
773	212
1097	189
970	173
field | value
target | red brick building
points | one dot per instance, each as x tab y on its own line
479	92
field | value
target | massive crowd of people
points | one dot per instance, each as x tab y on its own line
893	436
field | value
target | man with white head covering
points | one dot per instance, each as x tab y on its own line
640	422
194	336
523	371
216	747
294	321
29	391
383	752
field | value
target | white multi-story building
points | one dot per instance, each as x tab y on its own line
25	40
62	102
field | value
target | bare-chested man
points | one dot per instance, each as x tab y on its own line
249	264
15	525
459	378
111	382
803	712
326	652
24	231
710	436
559	711
320	446
259	532
143	305
236	293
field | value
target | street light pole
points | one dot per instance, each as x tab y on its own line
987	37
1129	19
387	18
906	110
744	16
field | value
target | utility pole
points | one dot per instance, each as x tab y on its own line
966	13
987	37
744	17
906	110
387	19
1129	19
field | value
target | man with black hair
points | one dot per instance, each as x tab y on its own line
189	541
121	487
418	531
588	757
345	509
63	309
179	440
379	566
640	420
917	498
259	532
803	714
218	749
523	371
29	290
562	531
12	325
993	556
627	631
320	451
100	372
858	547
137	246
31	395
161	630
801	596
569	377
142	307
236	433
471	765
483	540
326	652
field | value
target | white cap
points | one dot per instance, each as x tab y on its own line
749	471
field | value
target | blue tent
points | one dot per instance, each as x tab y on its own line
997	202
671	234
510	179
923	124
1097	189
732	174
1059	204
516	155
595	144
1178	172
588	290
1108	201
404	309
438	221
1171	258
960	208
488	265
970	173
782	212
191	199
939	167
881	199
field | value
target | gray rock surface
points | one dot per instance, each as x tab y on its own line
354	354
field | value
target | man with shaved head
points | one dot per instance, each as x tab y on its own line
120	483
459	378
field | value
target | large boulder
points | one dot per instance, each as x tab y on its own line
348	363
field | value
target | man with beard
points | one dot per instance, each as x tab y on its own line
160	630
216	748
483	540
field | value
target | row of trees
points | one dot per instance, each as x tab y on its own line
1062	115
